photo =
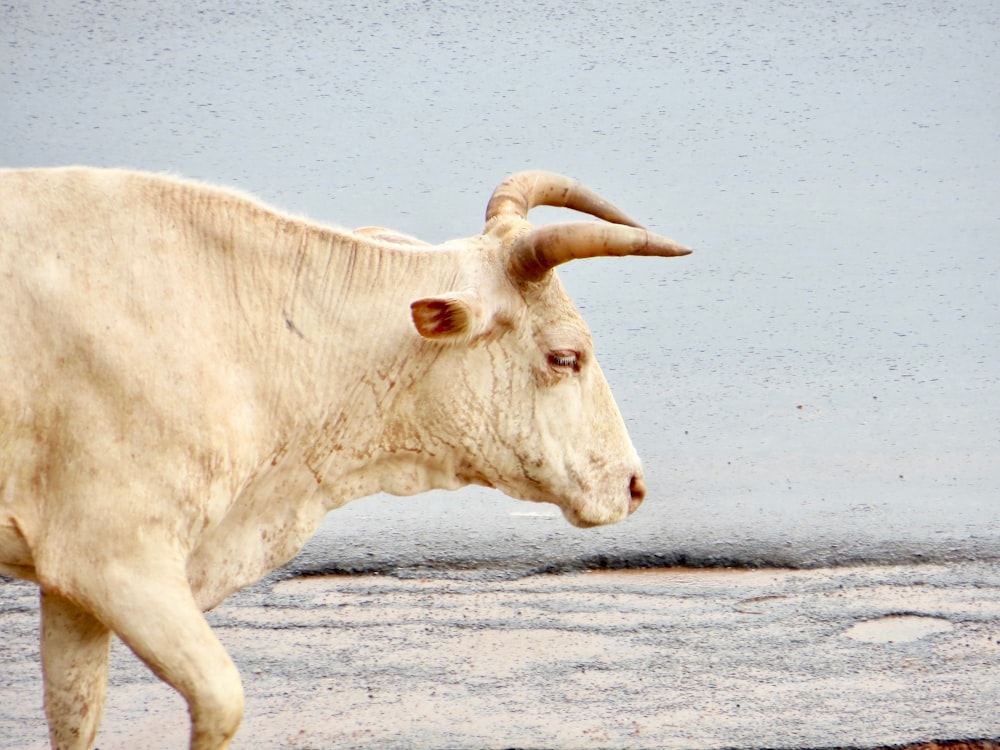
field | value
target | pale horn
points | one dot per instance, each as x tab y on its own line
535	253
521	192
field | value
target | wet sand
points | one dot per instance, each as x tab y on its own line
861	657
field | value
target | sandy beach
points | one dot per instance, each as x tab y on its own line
669	658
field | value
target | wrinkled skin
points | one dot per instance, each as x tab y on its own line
216	377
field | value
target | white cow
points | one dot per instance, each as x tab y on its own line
190	381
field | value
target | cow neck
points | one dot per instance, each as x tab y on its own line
334	345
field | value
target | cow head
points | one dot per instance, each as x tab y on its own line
515	385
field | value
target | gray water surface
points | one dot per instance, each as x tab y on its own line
817	384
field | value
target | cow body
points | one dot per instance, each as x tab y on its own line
193	380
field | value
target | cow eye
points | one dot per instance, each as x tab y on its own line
565	359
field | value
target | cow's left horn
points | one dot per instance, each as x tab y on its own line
522	191
537	252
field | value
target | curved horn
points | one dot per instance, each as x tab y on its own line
521	192
535	253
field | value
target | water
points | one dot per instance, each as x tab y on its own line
817	384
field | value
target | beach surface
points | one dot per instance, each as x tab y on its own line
659	658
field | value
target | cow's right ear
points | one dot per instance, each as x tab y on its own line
458	316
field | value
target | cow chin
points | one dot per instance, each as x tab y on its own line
587	515
579	510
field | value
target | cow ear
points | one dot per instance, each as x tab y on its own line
452	317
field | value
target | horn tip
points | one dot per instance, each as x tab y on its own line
667	249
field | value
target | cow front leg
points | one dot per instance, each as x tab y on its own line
75	648
149	605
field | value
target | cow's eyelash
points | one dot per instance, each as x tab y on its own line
565	358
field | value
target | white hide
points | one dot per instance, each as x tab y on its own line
192	380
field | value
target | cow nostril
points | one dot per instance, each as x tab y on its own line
637	489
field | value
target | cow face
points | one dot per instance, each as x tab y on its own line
516	391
